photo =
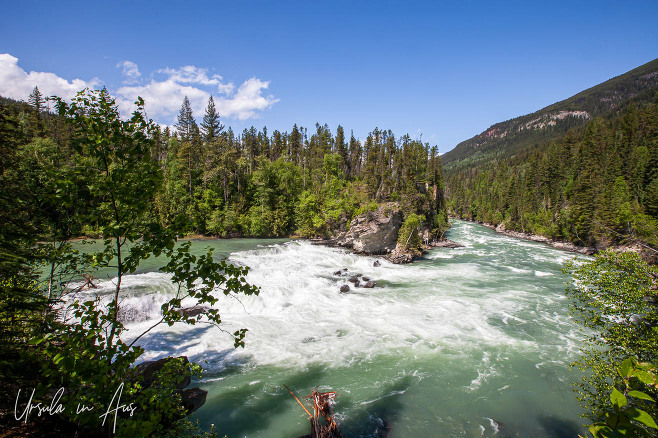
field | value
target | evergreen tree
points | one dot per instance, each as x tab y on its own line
37	102
210	126
186	122
341	149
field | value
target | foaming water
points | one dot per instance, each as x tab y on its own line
471	341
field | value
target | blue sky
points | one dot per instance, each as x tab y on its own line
446	70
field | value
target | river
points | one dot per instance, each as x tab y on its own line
472	342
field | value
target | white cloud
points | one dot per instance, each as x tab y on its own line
248	99
18	84
164	97
130	71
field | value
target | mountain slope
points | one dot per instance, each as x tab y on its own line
510	137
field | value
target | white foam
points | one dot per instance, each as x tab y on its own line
301	318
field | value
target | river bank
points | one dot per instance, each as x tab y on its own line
647	254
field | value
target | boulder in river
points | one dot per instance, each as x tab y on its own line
354	279
445	243
193	398
376	263
370	284
149	371
373	232
344	288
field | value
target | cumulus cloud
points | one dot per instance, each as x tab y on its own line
163	92
18	84
130	71
164	97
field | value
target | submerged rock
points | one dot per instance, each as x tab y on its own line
188	312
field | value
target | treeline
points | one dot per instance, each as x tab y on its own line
261	184
598	186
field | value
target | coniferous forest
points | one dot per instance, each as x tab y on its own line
252	184
596	186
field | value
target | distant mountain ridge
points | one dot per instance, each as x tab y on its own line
510	137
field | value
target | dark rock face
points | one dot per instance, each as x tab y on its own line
344	288
373	232
376	263
149	370
193	398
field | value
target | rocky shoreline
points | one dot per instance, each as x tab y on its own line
568	246
559	244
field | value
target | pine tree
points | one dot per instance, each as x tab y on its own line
186	122
189	133
37	101
210	126
341	149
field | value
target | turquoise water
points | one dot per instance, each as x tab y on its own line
472	342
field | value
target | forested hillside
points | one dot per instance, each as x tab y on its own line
524	133
595	186
254	183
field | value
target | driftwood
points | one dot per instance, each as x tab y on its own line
89	284
322	420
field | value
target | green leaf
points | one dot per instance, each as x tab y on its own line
626	367
618	399
642	417
638	394
644	377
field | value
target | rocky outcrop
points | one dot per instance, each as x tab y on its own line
373	233
402	254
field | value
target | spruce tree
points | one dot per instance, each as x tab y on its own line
37	101
186	122
210	126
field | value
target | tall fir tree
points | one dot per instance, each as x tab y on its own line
211	126
186	122
37	102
